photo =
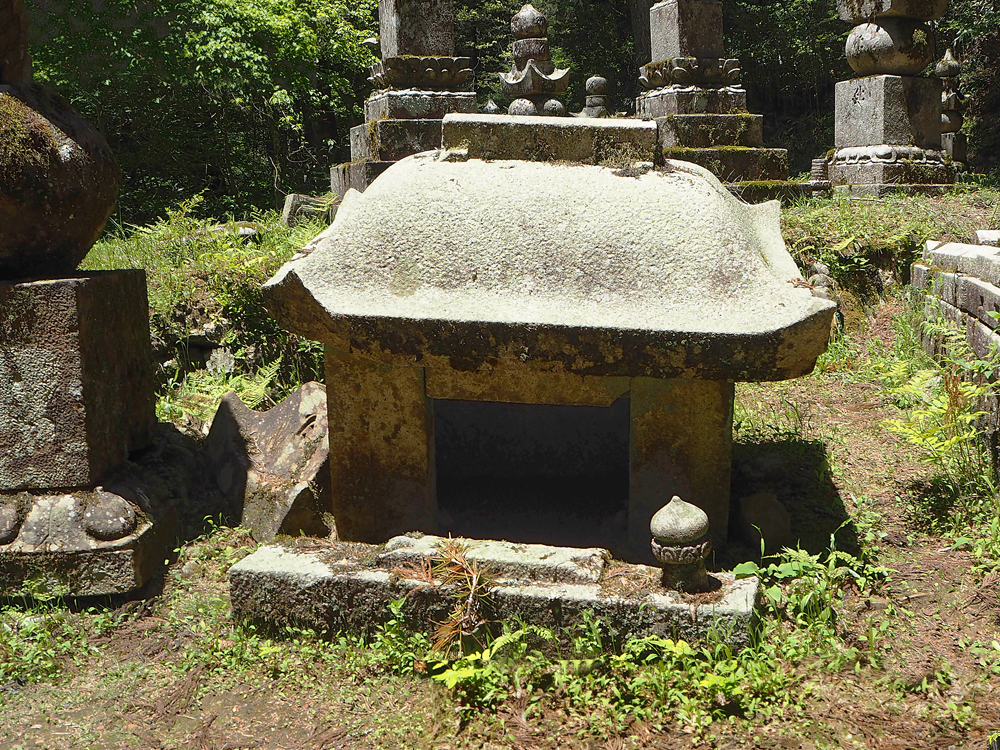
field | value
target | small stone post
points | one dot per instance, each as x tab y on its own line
533	80
680	545
952	105
597	98
887	130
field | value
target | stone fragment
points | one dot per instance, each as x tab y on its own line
597	98
58	183
680	545
763	514
986	237
298	207
686	28
76	379
888	110
273	466
416	27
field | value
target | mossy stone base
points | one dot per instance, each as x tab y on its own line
708	131
392	140
735	163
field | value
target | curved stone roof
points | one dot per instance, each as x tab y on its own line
564	267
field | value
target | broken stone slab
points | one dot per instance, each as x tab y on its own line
417	105
76	378
986	237
273	466
298	207
581	139
348	587
888	110
978	298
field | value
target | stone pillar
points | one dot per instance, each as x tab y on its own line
887	131
680	443
381	449
418	82
953	142
693	92
534	80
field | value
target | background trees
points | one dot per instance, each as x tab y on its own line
247	101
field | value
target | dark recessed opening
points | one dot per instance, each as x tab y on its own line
534	473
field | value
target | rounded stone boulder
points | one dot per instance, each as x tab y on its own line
58	184
893	46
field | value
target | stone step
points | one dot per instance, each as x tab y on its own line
417	105
709	131
392	140
736	163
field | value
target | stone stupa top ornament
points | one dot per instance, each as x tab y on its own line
58	178
597	98
952	100
680	544
533	80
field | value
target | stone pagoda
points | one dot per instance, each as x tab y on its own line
76	383
418	81
533	81
953	142
693	93
887	131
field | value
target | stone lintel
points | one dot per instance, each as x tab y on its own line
76	382
416	27
686	28
706	131
859	11
888	109
680	443
515	382
355	175
382	470
589	140
413	104
392	140
334	589
676	100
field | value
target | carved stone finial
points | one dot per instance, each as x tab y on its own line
534	79
952	104
491	107
681	544
948	66
597	98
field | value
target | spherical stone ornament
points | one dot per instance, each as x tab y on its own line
109	517
893	46
951	121
678	523
58	184
553	108
522	107
528	23
596	85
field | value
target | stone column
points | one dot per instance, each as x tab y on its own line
381	449
680	443
418	81
887	131
693	92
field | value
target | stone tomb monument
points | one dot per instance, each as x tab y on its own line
76	385
887	130
694	95
418	81
469	275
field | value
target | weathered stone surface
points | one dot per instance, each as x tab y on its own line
417	105
893	46
355	175
416	27
884	177
273	466
888	109
686	101
76	379
680	444
391	140
686	28
585	140
763	514
864	10
298	207
413	272
422	72
986	237
58	183
735	163
382	472
679	522
506	560
706	131
339	589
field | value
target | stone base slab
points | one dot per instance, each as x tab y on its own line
417	105
691	100
736	164
348	587
392	140
355	175
881	178
76	380
707	131
886	109
578	139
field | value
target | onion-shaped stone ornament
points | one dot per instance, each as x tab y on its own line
893	46
681	544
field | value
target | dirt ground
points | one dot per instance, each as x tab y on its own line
817	442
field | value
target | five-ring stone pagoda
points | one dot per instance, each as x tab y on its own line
466	274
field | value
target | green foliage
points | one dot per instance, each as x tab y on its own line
242	100
38	642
